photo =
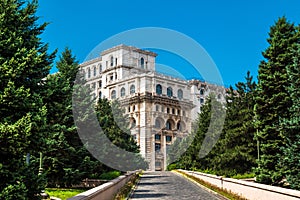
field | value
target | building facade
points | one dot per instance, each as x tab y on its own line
161	108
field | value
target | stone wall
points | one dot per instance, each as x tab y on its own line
249	190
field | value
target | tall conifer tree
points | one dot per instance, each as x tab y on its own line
272	99
24	63
290	125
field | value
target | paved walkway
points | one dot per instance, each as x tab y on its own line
168	185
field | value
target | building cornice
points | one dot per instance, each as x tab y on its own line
129	48
90	62
159	99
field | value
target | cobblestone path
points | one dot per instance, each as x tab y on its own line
168	185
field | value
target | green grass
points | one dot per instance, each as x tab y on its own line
63	193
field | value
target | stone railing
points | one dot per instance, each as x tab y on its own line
106	191
249	190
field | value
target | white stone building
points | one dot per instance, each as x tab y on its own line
161	108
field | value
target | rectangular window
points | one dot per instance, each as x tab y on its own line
157	137
169	138
157	164
157	147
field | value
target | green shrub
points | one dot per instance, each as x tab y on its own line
243	176
172	166
110	175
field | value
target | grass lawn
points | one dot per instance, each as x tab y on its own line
63	193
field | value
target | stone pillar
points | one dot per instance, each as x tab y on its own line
164	152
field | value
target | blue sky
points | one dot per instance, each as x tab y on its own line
233	32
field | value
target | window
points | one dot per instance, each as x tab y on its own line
157	137
100	68
95	71
122	92
133	108
169	125
94	85
157	147
100	84
201	100
178	112
162	109
157	108
169	138
128	108
157	164
179	126
113	94
202	92
158	89
180	94
89	73
132	89
169	92
142	63
116	61
157	123
133	123
173	111
100	94
168	110
111	61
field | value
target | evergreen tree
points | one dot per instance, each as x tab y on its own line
115	125
205	133
236	150
24	63
272	99
290	126
67	161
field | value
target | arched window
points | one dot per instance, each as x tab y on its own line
100	95
132	89
168	125
179	126
122	92
95	71
116	61
100	68
133	123
158	89
202	92
142	63
180	94
169	92
113	94
111	61
89	73
157	123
